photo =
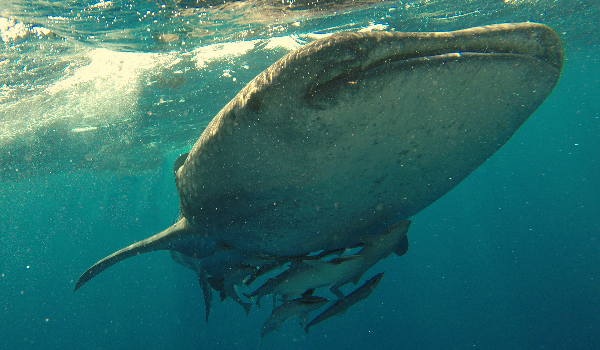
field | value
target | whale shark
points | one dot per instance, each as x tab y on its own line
342	138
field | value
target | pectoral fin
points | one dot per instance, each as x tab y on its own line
169	239
402	247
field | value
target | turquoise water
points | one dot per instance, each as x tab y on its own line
98	99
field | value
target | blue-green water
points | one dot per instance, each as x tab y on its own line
95	105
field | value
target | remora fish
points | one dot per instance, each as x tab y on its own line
300	307
375	248
233	277
340	306
310	274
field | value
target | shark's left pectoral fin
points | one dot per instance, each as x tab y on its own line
165	240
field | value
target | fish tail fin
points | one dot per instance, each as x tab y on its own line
247	307
206	291
249	296
338	293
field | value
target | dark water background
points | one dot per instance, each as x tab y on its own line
510	259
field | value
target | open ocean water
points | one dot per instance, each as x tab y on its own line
97	99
